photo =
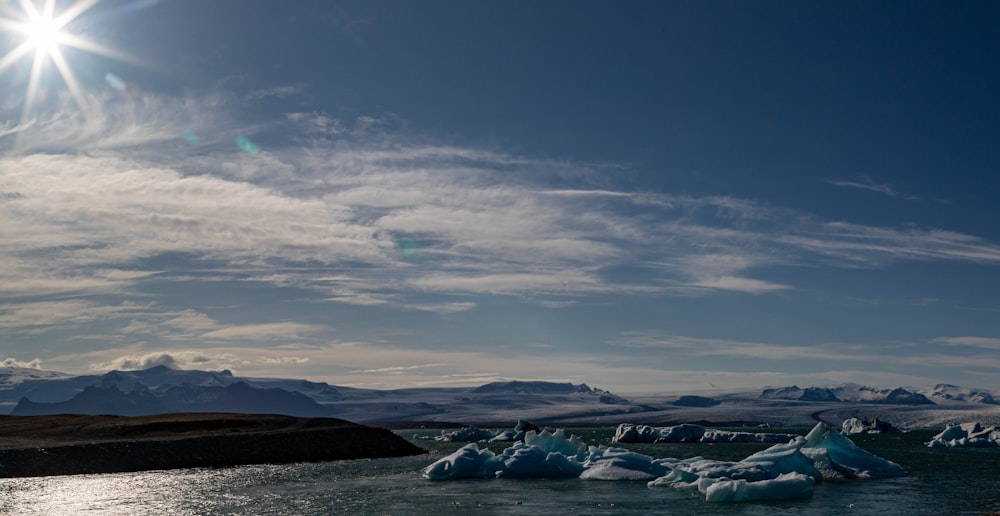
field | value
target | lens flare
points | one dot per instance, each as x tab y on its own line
247	145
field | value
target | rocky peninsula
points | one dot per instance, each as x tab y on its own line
74	444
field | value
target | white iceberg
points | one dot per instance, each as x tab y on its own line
966	435
686	433
526	461
605	463
468	462
783	471
847	458
541	455
783	487
874	425
471	434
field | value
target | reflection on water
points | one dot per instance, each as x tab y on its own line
941	482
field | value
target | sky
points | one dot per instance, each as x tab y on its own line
645	196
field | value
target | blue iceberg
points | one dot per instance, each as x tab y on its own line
783	471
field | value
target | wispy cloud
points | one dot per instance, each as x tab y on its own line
358	213
43	315
884	355
476	221
278	92
266	331
397	369
703	347
990	343
736	284
866	183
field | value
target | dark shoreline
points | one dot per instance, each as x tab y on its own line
76	444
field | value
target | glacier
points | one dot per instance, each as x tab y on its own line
783	471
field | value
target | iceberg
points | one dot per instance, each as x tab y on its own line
540	455
783	471
686	433
846	457
471	434
468	462
784	487
604	463
528	461
785	458
854	425
966	435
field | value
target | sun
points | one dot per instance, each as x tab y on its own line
45	34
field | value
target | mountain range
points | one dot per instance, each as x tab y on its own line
163	390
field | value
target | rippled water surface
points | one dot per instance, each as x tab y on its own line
940	481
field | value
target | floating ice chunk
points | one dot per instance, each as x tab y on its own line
722	436
689	472
784	487
822	463
964	442
966	435
557	441
785	458
517	434
783	471
507	436
952	432
847	458
854	425
735	481
468	462
530	461
620	464
628	433
469	434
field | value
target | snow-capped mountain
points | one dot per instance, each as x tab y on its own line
944	391
162	389
13	376
142	400
848	393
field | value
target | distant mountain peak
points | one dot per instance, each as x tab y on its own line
531	387
847	392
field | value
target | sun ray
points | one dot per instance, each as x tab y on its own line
33	80
73	11
45	35
94	48
14	55
67	74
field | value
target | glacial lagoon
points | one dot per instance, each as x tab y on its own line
938	481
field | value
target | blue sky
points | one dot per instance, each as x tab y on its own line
648	196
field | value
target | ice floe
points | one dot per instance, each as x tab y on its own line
966	435
471	434
852	426
629	433
783	471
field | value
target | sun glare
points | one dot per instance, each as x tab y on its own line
44	32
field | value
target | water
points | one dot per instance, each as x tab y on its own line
940	481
